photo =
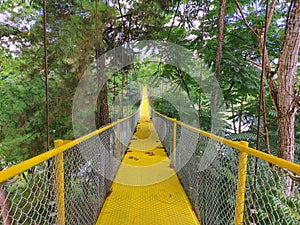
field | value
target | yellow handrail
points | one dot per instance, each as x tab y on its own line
60	184
293	167
27	164
174	143
241	186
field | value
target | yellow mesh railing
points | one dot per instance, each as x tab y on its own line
228	182
66	185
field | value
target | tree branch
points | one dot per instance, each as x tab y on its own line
255	63
249	47
260	131
272	121
270	14
244	18
124	16
173	20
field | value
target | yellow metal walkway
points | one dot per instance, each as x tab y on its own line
146	191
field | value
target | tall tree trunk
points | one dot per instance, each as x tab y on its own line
102	110
286	83
4	207
102	113
283	94
287	109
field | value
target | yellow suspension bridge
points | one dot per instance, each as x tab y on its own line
134	171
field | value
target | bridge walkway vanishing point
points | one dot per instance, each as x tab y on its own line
146	190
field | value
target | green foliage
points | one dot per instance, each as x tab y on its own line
32	200
71	31
271	204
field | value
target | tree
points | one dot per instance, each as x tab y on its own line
283	93
286	101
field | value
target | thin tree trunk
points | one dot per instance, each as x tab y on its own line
201	63
233	120
122	95
266	131
221	29
241	117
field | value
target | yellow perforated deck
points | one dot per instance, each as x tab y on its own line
146	191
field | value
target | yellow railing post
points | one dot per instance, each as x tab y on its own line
118	147
174	142
241	187
59	184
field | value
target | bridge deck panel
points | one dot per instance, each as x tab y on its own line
146	191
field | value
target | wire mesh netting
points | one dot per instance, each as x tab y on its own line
272	196
209	173
29	197
34	197
163	128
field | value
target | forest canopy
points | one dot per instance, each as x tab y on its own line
251	47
